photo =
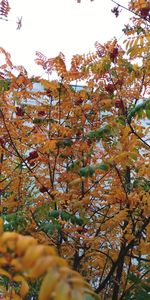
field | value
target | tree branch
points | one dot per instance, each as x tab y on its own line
139	258
20	156
131	11
133	285
135	133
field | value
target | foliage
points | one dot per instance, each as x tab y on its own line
20	267
4	11
74	171
4	8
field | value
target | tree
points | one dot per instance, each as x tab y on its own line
75	172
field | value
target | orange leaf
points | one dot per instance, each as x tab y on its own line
24	285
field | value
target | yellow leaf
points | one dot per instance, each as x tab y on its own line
23	243
9	239
41	266
3	293
141	40
38	138
63	291
45	263
3	260
49	250
39	250
29	259
49	146
15	263
136	42
135	67
148	37
106	102
121	157
75	182
127	44
15	296
9	236
48	285
131	43
24	285
77	282
5	273
49	85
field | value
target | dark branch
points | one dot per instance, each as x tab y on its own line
131	11
137	135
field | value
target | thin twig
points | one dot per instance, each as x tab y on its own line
129	10
96	182
135	133
20	156
133	285
123	186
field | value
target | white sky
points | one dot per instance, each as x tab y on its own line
51	26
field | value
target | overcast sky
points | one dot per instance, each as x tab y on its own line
51	26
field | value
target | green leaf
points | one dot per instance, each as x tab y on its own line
63	156
121	120
146	287
48	227
42	120
132	277
142	182
142	295
73	219
140	113
138	109
87	171
51	228
65	215
107	66
42	211
135	183
130	67
74	165
147	187
103	167
4	85
100	133
79	221
90	170
65	143
148	113
38	121
91	135
58	227
54	214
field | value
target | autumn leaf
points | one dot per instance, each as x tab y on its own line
49	146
